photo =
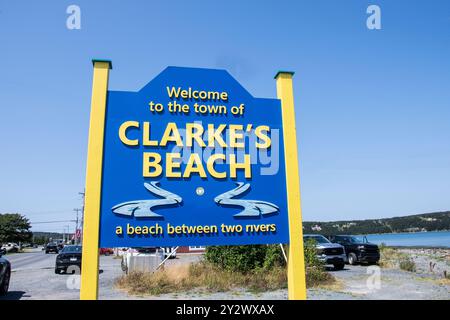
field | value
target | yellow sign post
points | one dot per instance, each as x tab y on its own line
91	224
296	261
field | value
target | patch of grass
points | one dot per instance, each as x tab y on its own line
390	257
443	282
316	276
206	277
393	258
407	264
201	275
387	257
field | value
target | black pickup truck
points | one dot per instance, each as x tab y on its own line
357	250
51	247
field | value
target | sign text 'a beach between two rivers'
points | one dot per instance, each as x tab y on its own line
192	159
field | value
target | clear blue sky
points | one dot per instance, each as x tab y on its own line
372	106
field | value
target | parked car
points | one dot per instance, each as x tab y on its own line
10	247
69	259
5	275
357	250
106	251
51	247
327	252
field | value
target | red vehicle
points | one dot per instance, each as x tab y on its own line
106	251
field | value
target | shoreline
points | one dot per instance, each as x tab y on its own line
380	234
418	240
417	247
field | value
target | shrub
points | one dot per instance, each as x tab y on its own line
316	276
315	270
311	259
273	258
245	258
268	259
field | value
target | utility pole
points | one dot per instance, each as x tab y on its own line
68	233
83	194
76	225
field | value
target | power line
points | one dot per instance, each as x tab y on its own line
46	212
59	221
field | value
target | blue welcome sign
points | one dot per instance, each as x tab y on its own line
192	159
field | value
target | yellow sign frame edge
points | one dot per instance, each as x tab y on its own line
91	219
296	259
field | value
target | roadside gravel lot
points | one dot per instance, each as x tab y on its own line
394	285
33	277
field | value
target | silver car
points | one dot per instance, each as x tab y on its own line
327	252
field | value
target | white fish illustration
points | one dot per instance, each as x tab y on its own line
252	208
143	208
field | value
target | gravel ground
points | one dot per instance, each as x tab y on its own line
424	284
355	282
393	285
33	277
432	262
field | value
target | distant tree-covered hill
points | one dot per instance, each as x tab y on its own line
45	237
437	221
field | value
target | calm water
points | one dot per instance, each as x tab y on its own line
426	239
